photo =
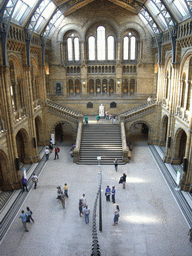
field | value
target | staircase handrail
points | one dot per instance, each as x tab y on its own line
123	139
63	108
78	140
133	110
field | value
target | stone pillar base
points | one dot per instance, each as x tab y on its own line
176	161
162	143
36	159
185	187
11	187
167	159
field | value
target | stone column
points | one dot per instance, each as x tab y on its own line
33	155
168	157
12	179
160	82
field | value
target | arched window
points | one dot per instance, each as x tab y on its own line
101	43
91	42
110	45
73	49
126	48
132	52
76	45
129	46
70	49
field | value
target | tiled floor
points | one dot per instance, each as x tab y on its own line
150	221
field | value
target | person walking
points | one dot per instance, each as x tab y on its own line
24	183
116	215
83	198
149	99
86	212
113	194
107	193
24	220
86	120
51	147
47	153
98	117
56	153
124	180
29	215
66	190
80	207
116	164
35	180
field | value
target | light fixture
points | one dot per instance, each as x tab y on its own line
83	83
118	83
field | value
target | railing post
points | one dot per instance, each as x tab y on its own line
78	139
123	139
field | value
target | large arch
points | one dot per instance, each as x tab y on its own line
179	146
64	132
138	131
22	140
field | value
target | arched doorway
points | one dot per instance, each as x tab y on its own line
180	146
64	133
21	141
138	134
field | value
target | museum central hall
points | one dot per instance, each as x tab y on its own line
101	80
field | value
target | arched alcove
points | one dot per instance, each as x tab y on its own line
22	146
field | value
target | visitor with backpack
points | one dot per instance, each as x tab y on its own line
57	150
24	183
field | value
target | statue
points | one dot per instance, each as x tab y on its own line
101	111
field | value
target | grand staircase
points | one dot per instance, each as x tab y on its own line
101	140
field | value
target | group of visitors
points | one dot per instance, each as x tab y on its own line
110	192
83	208
26	217
24	181
109	116
62	194
49	150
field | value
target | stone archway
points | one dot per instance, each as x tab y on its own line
180	146
163	134
22	146
64	133
138	133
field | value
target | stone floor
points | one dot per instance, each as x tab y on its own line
150	221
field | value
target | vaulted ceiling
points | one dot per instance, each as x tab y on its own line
70	6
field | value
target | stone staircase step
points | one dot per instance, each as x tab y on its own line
101	140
